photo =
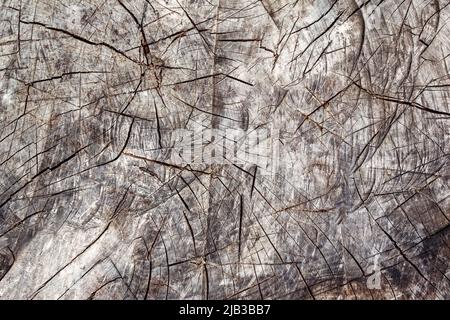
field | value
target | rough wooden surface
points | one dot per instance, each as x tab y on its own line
353	203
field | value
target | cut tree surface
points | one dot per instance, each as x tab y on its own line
224	149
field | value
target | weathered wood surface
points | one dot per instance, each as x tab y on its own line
353	203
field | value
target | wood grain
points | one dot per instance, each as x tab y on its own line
101	101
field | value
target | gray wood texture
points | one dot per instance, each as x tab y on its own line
98	97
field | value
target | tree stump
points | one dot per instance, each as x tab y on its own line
180	149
